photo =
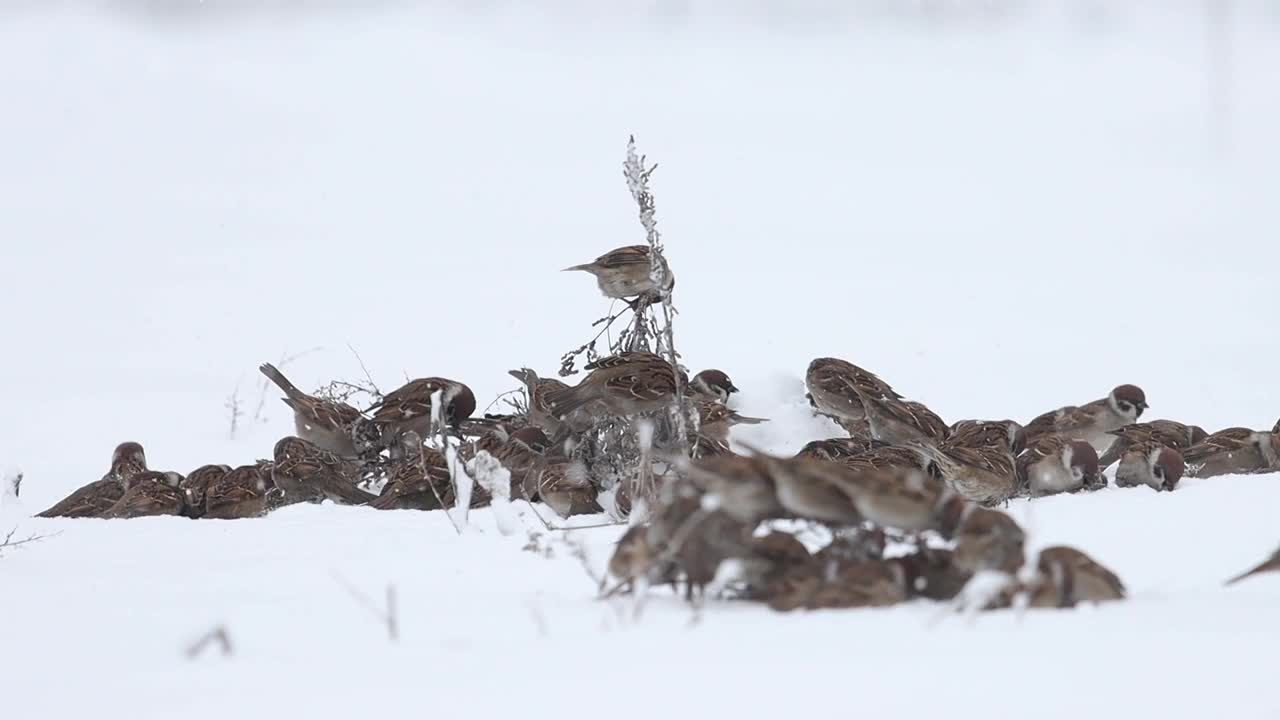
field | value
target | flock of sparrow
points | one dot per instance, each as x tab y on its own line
901	475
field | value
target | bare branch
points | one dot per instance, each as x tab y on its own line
389	617
216	636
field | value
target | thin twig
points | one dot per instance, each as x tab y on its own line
217	635
388	617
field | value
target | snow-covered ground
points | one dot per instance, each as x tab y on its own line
998	215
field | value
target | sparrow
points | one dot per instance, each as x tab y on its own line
1092	422
894	487
521	455
874	583
625	384
419	481
981	433
897	421
1271	564
742	487
408	408
988	540
986	475
1054	464
714	384
838	449
537	388
1233	451
1066	577
1151	464
566	488
196	483
305	472
128	461
932	573
716	419
704	446
150	493
833	386
334	426
628	272
1166	432
241	493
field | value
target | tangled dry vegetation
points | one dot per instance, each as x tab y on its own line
905	506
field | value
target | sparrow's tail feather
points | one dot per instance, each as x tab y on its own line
1259	569
351	494
745	420
586	268
274	375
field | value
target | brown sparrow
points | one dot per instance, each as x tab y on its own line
741	486
1054	464
839	449
874	583
241	493
716	419
704	446
334	426
985	475
896	488
1092	422
625	384
566	488
898	421
714	384
1233	451
305	472
932	573
1066	577
408	408
521	455
981	433
1166	432
537	388
988	540
1271	564
833	386
151	493
628	272
419	481
127	462
1151	464
194	485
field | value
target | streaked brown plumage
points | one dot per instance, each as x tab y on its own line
537	388
305	472
1233	451
834	387
1054	464
625	384
408	408
988	540
1166	432
1271	564
128	461
196	483
334	426
566	488
1151	464
149	494
627	272
241	493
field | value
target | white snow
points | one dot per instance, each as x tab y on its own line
998	215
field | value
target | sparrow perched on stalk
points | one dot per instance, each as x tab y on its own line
1094	421
624	384
1271	564
628	272
332	425
521	455
714	384
537	388
305	472
1166	432
128	461
241	493
836	388
1055	465
196	483
1151	464
150	493
1233	451
408	408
